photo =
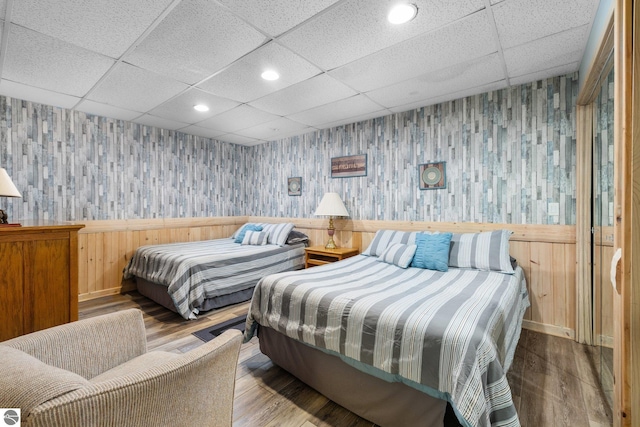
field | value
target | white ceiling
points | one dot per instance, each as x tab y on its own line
340	61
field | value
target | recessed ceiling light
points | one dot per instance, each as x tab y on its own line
270	75
402	13
201	107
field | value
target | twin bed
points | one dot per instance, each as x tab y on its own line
194	277
395	344
397	334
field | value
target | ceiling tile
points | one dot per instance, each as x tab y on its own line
198	38
551	72
279	128
160	122
241	117
452	79
339	60
471	37
521	21
200	131
241	81
310	93
106	110
559	49
34	94
356	28
44	62
181	108
344	108
134	88
276	16
105	27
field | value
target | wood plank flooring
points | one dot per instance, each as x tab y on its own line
553	380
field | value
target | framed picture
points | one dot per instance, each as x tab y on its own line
432	176
294	186
349	166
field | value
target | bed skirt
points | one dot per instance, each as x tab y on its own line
159	294
381	402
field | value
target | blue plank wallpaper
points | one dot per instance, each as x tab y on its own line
510	155
73	166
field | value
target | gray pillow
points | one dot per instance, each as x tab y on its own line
398	254
384	238
488	251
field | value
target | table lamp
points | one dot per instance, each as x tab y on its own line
7	189
331	205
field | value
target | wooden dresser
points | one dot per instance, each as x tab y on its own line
38	277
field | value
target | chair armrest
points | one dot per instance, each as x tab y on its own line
195	388
90	346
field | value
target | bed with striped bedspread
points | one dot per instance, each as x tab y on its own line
195	271
451	335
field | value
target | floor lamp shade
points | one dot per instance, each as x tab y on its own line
331	205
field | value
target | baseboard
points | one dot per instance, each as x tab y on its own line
557	331
126	286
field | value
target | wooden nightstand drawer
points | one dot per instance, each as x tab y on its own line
319	255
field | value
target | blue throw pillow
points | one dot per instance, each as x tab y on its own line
433	251
240	235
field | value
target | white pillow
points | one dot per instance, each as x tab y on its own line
398	254
258	238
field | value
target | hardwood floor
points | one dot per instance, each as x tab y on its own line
553	380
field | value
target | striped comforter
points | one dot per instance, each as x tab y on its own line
195	271
451	335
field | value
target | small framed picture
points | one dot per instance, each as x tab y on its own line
432	176
294	186
349	166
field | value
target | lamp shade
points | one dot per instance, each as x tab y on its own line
7	189
331	205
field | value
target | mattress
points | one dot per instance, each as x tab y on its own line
385	404
195	272
450	335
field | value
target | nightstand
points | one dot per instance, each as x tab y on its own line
319	255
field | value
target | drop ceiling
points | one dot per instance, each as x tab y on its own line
340	61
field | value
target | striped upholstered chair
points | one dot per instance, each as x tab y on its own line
97	372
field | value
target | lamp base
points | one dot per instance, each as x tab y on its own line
4	222
331	244
331	230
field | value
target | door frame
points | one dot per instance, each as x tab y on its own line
618	38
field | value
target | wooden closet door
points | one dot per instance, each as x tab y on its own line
11	290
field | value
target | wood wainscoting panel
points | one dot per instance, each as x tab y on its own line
105	247
547	254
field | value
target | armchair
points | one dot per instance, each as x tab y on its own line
97	372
